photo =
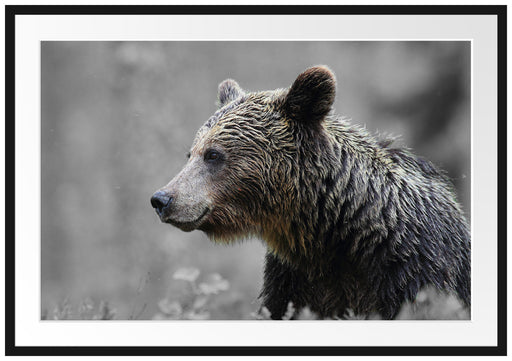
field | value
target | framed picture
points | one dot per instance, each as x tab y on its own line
109	117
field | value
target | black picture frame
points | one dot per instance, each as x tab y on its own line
11	349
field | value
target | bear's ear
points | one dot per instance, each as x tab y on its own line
311	95
229	90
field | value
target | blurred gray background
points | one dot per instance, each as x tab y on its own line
119	117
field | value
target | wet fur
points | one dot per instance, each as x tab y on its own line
349	221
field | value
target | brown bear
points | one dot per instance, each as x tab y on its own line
350	222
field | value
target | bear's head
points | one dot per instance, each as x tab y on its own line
250	161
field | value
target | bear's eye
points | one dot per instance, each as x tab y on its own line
187	155
212	155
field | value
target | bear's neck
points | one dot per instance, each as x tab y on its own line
333	201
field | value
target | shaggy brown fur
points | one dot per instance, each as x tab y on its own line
349	221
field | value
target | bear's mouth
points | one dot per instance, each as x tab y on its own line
188	226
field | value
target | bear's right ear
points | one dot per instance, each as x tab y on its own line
229	90
311	95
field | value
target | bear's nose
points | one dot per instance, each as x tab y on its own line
160	200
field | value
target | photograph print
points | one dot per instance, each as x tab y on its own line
256	180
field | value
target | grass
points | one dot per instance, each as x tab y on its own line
86	310
198	296
194	302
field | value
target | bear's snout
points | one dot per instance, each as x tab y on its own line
181	204
161	201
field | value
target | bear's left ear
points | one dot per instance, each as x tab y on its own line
229	90
311	95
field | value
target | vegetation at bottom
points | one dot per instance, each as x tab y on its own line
197	298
